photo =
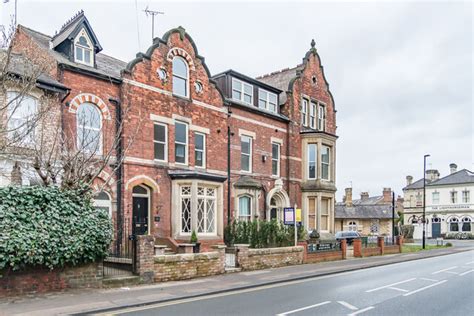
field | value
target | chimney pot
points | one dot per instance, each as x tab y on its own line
453	167
409	180
432	175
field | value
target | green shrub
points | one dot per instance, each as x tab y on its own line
46	226
407	231
194	238
448	244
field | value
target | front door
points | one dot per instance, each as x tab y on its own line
140	215
435	230
273	213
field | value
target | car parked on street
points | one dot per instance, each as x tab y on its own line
349	236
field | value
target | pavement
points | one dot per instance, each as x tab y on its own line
113	300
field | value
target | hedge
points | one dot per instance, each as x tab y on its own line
47	226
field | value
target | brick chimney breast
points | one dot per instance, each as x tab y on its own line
348	200
453	168
387	195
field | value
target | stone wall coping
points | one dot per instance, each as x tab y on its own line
187	257
186	245
269	251
219	246
241	245
161	246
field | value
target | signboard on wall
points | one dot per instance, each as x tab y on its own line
289	216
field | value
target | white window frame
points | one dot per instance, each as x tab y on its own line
466	196
435	197
186	80
160	142
248	218
277	159
312	114
352	226
203	150
249	154
326	163
83	48
206	197
14	101
327	215
186	144
267	100
181	197
242	92
104	203
99	149
453	197
304	112
321	117
315	161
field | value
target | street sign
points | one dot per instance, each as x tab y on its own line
288	216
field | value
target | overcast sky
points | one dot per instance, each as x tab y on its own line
400	72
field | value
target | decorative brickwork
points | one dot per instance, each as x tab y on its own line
43	280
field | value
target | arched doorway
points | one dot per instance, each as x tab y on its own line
141	210
277	200
435	227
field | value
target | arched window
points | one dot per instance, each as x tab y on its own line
180	77
352	226
453	224
466	224
245	208
83	49
102	202
89	124
414	220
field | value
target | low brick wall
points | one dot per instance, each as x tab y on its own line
391	249
371	251
188	266
256	259
43	280
324	256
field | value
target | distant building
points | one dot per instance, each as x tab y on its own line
449	207
368	215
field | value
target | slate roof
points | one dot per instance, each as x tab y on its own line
461	176
247	182
281	80
20	66
376	211
106	65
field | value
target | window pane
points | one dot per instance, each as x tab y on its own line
180	67
179	86
273	98
244	206
79	53
273	107
245	145
181	130
275	151
83	41
199	141
312	161
248	89
159	151
325	154
275	167
198	157
88	116
87	56
247	98
160	133
236	85
262	104
245	162
180	153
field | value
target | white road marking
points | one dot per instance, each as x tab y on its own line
464	273
428	279
389	285
444	270
471	262
361	311
303	308
397	289
452	272
345	304
424	288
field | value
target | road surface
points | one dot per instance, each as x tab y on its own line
435	286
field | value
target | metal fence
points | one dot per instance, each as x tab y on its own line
122	253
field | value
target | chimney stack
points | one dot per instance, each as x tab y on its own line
364	196
453	167
387	195
432	175
409	180
348	200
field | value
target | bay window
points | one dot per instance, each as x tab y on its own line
206	210
325	205
22	113
312	150
245	208
325	162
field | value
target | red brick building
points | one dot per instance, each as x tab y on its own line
184	133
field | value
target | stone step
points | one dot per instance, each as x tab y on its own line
232	270
120	281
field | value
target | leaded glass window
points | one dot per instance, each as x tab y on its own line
186	209
206	210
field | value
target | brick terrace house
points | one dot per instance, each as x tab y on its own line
205	148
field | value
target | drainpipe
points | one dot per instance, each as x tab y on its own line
229	136
118	169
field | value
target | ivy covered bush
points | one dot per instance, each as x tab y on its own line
262	234
47	226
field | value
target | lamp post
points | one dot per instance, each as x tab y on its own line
424	199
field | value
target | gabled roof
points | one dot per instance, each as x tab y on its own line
72	27
459	177
107	66
415	185
281	80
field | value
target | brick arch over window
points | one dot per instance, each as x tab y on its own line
177	51
142	179
88	97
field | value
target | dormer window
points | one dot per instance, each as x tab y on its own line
83	49
267	100
242	91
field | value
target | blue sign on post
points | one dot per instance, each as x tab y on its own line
289	216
